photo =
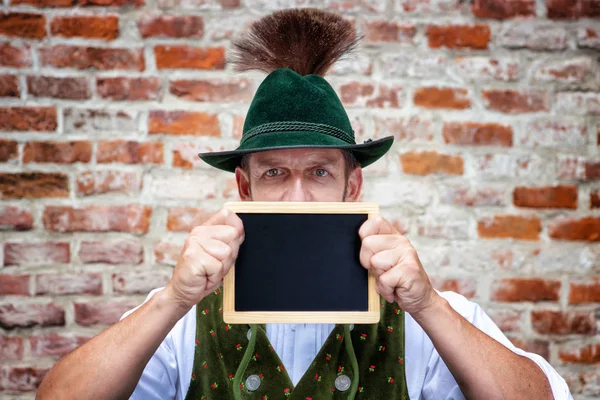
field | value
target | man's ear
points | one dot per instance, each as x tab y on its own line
354	185
242	179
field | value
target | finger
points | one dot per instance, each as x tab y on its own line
211	268
375	226
374	244
226	217
383	261
224	233
216	248
385	291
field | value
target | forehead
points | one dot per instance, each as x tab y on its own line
297	156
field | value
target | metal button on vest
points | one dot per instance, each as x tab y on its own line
342	383
253	382
249	334
351	327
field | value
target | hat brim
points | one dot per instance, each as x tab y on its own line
365	153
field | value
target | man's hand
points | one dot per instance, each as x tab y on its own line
207	256
394	262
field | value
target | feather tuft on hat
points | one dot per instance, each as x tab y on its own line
307	41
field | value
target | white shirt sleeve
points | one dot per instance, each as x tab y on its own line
158	381
439	383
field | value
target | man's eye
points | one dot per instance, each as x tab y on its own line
321	172
272	172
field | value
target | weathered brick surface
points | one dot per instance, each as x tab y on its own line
494	174
90	27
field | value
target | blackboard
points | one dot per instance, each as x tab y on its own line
300	263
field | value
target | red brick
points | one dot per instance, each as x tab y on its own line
435	97
33	185
11	348
104	27
466	287
184	123
473	133
355	94
521	289
578	103
579	168
587	37
15	218
507	320
563	323
94	121
555	133
28	119
112	252
9	151
213	90
57	152
536	346
546	197
84	3
431	162
464	195
517	101
139	282
103	313
595	199
171	26
36	254
129	152
14	285
15	55
502	9
184	219
427	6
60	88
381	31
24	25
475	37
573	70
167	253
409	129
124	218
9	86
28	315
186	57
64	284
22	379
80	57
230	3
572	9
91	183
129	89
510	226
481	68
585	292
589	354
534	36
583	229
185	155
55	344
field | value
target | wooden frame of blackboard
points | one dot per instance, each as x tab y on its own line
231	316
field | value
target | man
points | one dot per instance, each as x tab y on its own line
298	145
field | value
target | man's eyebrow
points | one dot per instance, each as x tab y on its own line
268	162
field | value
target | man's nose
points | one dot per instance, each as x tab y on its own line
297	190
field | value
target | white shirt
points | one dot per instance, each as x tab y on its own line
167	374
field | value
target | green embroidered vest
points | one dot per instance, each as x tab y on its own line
238	361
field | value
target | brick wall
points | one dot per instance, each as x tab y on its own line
495	174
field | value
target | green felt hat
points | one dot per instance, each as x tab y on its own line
294	111
295	107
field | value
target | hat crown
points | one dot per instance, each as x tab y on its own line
288	97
